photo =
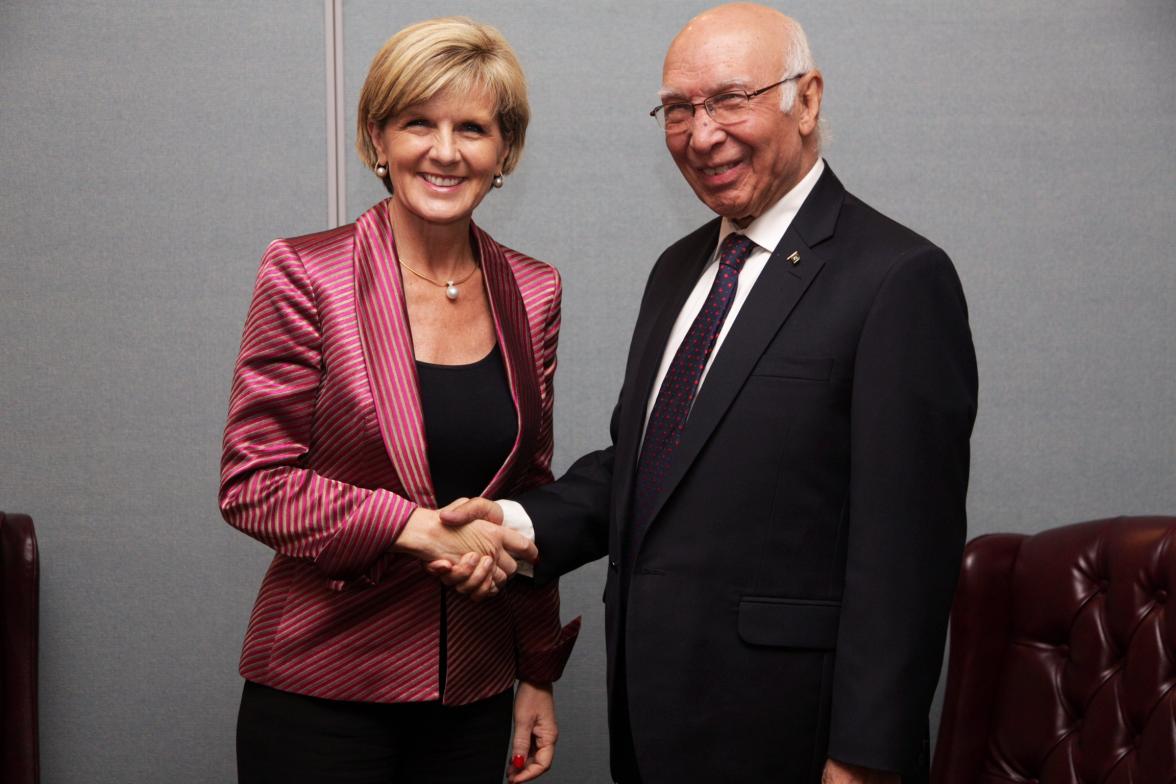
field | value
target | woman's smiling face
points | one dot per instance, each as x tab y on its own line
443	154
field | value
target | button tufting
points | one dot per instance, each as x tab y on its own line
1114	661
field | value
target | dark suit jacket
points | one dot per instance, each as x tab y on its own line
789	599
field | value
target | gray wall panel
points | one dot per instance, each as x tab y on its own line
150	150
1032	141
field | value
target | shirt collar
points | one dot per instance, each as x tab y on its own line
768	229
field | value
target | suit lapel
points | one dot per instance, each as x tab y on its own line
388	351
514	340
777	291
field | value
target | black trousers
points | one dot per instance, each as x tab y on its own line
622	757
285	738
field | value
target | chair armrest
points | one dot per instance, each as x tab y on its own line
980	619
19	599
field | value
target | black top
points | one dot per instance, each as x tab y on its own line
470	424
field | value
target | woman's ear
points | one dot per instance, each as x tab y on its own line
507	146
376	135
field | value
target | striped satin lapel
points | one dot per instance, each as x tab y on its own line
511	326
387	349
514	339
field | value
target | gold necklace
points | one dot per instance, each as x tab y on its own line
450	286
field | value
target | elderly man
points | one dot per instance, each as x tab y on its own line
783	502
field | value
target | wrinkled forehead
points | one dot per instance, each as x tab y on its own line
704	61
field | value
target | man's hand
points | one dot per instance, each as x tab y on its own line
463	574
839	773
535	732
484	551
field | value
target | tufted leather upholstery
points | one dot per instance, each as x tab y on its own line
19	578
1063	658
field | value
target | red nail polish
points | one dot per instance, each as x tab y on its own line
518	761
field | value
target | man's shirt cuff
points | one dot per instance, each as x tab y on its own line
516	518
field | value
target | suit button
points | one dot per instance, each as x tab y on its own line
612	564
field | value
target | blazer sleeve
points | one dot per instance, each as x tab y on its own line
268	489
542	647
912	409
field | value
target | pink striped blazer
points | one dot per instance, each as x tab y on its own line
324	460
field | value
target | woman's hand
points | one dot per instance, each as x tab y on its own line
464	575
535	731
425	537
839	773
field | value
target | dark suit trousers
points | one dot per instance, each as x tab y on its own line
623	757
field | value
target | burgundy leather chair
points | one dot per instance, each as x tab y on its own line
19	585
1063	658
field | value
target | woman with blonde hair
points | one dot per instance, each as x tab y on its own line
388	368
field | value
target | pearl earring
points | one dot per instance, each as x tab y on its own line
497	181
381	170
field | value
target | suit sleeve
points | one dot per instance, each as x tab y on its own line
913	405
571	516
267	488
542	647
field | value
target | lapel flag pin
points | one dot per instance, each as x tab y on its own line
794	258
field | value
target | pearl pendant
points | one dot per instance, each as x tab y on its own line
451	290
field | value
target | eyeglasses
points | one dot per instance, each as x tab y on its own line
725	108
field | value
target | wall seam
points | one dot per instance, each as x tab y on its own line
336	167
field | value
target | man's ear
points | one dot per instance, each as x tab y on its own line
809	92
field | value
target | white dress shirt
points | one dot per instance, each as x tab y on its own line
766	231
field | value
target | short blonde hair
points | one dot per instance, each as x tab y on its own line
448	53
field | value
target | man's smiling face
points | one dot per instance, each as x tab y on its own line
740	169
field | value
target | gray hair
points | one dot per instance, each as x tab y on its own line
798	59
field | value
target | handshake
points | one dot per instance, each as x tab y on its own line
466	546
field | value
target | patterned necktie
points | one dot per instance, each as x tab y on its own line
668	418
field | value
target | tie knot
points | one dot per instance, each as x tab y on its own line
735	250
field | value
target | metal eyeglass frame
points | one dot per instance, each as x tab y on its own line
658	113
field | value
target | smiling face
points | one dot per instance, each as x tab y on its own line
442	155
739	170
